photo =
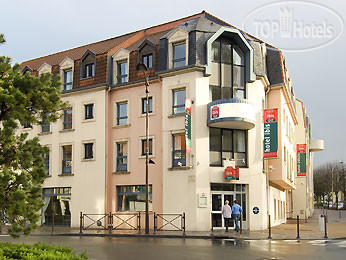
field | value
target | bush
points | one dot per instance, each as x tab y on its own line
38	251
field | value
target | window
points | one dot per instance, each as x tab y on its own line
122	113
89	70
89	111
68	79
45	126
68	119
228	75
122	71
179	101
144	105
27	124
122	152
45	157
179	150
150	152
88	151
67	159
147	60
132	198
227	144
179	54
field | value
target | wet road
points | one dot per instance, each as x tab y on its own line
173	249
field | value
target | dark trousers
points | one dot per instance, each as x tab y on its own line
227	220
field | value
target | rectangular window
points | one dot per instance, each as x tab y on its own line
89	111
122	72
27	124
179	101
179	150
45	126
68	119
227	144
68	79
122	113
46	162
122	153
147	60
88	151
132	198
144	105
150	152
67	159
89	70
179	54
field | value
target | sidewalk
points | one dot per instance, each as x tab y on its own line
336	229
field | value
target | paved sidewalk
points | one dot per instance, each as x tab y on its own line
309	230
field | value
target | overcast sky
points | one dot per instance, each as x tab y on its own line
35	28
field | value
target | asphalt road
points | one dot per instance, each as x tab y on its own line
194	249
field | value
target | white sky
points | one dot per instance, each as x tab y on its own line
35	28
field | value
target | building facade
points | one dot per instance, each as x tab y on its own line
97	160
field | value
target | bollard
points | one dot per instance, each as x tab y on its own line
298	237
184	223
269	229
325	227
81	223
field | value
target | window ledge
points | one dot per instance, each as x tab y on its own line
27	129
66	130
182	168
88	120
88	160
149	156
87	78
176	115
65	174
44	133
121	173
149	114
121	126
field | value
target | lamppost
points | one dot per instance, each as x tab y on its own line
143	68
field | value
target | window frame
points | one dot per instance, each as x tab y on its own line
176	44
128	192
64	169
143	151
86	111
120	157
233	150
143	105
182	160
219	87
65	71
122	78
86	152
118	104
65	123
147	63
178	105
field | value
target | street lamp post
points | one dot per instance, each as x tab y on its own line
143	67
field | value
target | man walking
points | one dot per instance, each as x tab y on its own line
226	212
236	210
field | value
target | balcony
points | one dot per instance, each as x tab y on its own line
316	145
231	113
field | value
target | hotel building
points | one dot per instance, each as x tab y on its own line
96	163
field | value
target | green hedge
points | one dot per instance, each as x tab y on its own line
39	251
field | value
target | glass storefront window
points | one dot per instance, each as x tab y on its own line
132	198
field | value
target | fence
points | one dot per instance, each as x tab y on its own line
169	222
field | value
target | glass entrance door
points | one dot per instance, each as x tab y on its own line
222	192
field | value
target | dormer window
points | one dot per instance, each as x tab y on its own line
89	70
88	65
68	79
147	60
122	75
179	54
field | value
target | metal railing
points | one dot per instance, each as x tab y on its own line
93	222
126	221
169	222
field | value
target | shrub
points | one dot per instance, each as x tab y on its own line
38	251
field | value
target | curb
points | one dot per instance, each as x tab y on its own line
211	237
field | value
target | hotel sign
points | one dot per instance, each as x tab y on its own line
188	125
301	160
270	144
232	173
